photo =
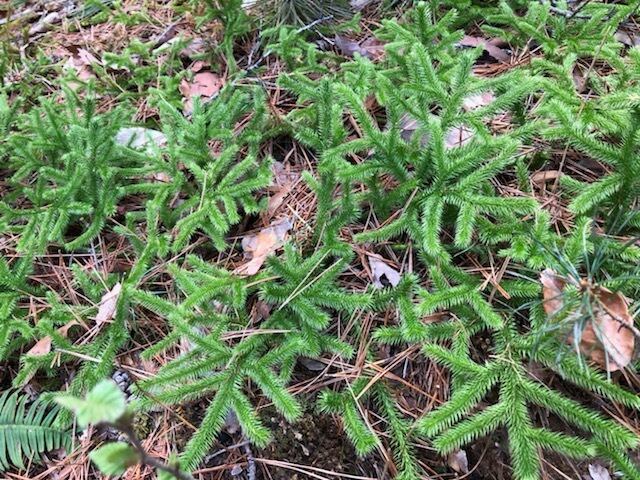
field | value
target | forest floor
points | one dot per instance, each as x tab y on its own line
127	54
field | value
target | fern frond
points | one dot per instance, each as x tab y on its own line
26	432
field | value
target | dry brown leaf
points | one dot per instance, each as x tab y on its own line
311	364
478	100
140	137
358	5
231	423
408	125
380	270
198	65
458	461
259	246
598	472
627	38
205	85
161	177
262	310
454	137
608	337
540	178
489	46
347	47
580	77
45	23
43	346
552	287
80	61
108	304
371	48
611	329
458	136
284	181
196	46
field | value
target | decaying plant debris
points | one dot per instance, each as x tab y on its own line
369	239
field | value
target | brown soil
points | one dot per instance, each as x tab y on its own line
315	441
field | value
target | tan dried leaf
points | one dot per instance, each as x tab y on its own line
607	338
489	46
81	62
598	472
205	85
408	126
45	23
552	287
108	304
612	328
458	461
544	176
43	346
347	46
454	137
196	46
478	100
284	181
373	48
627	38
140	138
458	136
259	246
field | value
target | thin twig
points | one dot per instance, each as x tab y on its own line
145	458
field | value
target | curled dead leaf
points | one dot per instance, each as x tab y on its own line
346	46
454	137
612	328
140	138
284	181
458	136
80	61
259	246
371	48
608	336
311	364
45	23
628	38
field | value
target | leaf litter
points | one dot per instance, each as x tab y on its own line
492	47
108	305
608	336
259	246
204	86
43	346
383	275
